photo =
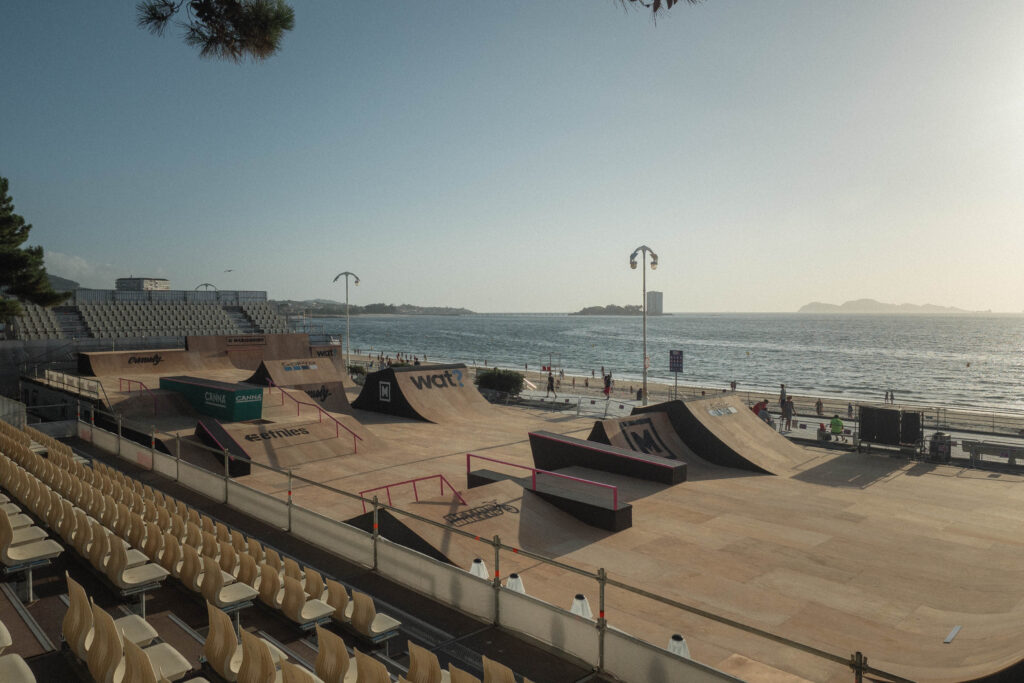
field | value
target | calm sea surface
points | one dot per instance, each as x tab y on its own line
947	360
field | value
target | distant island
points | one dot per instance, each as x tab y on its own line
872	306
328	307
611	309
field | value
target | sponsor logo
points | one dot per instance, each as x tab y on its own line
449	378
321	394
153	360
249	398
385	392
212	399
255	340
326	353
276	434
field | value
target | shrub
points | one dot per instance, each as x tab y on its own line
356	370
505	381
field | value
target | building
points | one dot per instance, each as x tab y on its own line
142	284
654	303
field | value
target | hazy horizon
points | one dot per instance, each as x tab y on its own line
511	156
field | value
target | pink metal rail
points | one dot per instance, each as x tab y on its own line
547	473
121	381
415	491
298	410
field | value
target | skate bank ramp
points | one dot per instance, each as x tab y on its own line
724	431
320	378
651	433
433	393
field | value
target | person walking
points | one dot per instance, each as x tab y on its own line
607	385
819	407
782	396
551	386
849	410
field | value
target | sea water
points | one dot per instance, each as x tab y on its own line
974	361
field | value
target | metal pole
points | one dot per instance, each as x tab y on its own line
376	532
227	474
348	331
289	500
602	623
497	581
643	266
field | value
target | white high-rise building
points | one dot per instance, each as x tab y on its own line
654	303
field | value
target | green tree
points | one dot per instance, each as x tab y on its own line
22	273
225	29
236	29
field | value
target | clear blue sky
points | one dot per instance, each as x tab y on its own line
509	156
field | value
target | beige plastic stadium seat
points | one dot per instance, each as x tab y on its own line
5	637
369	670
25	553
367	621
77	627
460	676
214	590
423	666
300	610
13	669
134	577
293	673
495	672
332	661
337	597
257	663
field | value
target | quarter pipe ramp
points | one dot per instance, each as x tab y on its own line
318	377
433	393
724	431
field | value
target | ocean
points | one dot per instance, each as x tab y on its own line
969	361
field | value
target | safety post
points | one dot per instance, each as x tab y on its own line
602	623
497	580
289	499
227	464
376	531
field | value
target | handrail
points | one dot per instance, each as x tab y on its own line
298	410
120	387
416	493
533	486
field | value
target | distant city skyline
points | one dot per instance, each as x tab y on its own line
509	157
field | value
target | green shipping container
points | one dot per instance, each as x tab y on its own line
221	400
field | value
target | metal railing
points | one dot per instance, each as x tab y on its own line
122	381
321	413
546	473
415	490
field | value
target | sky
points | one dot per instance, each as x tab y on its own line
509	156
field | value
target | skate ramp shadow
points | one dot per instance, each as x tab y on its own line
852	470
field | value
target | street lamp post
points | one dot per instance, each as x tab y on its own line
643	250
348	343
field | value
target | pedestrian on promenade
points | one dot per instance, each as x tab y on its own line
782	395
551	386
639	393
787	412
849	410
819	407
732	385
886	397
837	428
892	397
607	384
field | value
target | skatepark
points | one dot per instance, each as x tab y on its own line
832	549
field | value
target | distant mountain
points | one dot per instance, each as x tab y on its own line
872	306
327	307
611	309
62	284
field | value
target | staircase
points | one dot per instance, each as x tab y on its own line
72	325
241	320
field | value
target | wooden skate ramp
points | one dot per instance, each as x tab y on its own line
650	433
319	378
433	393
724	431
149	362
289	444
